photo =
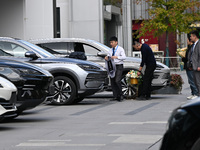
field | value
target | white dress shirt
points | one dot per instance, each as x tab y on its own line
119	52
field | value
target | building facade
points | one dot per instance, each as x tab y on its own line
31	19
158	44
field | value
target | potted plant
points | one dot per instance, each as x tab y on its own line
176	81
132	77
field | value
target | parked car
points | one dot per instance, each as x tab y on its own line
73	79
8	93
34	84
95	51
183	130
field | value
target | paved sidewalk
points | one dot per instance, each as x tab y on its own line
185	89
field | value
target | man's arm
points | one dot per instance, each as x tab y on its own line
139	71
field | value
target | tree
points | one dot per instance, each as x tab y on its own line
170	16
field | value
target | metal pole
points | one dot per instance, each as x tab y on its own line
127	26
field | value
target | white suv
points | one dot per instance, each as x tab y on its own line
8	93
95	52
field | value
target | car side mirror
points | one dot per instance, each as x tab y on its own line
101	54
31	54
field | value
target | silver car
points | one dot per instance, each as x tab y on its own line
96	52
73	79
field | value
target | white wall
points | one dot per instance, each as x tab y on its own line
86	19
26	19
65	9
38	19
11	18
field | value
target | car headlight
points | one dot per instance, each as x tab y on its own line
26	71
9	73
159	66
177	119
88	67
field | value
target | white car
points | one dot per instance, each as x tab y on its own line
8	93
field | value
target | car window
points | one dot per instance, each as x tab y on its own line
36	49
89	50
12	49
60	47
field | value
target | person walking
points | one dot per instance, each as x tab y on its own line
194	57
189	71
149	61
118	55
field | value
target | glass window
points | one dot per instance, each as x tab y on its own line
12	49
61	47
89	50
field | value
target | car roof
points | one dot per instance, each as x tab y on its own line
93	43
9	38
47	40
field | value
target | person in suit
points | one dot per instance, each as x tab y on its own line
189	71
118	55
149	61
194	58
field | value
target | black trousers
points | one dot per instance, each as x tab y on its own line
147	80
116	82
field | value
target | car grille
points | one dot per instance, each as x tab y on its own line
166	76
97	77
96	80
156	76
30	91
35	89
9	104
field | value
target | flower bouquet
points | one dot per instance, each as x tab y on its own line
132	77
181	51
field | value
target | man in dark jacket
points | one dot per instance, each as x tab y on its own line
189	71
195	59
149	61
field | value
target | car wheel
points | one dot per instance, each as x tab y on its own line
196	145
128	91
65	91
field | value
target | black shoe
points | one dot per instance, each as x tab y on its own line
114	99
141	98
121	98
148	98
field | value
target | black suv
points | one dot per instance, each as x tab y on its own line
33	83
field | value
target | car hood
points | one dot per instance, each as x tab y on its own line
138	60
69	61
193	106
19	64
193	103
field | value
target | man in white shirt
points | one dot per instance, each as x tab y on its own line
195	59
118	55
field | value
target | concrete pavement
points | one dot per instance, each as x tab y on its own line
95	124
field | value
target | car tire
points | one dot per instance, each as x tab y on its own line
77	100
196	145
65	91
128	91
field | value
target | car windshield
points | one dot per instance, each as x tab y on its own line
100	44
37	49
